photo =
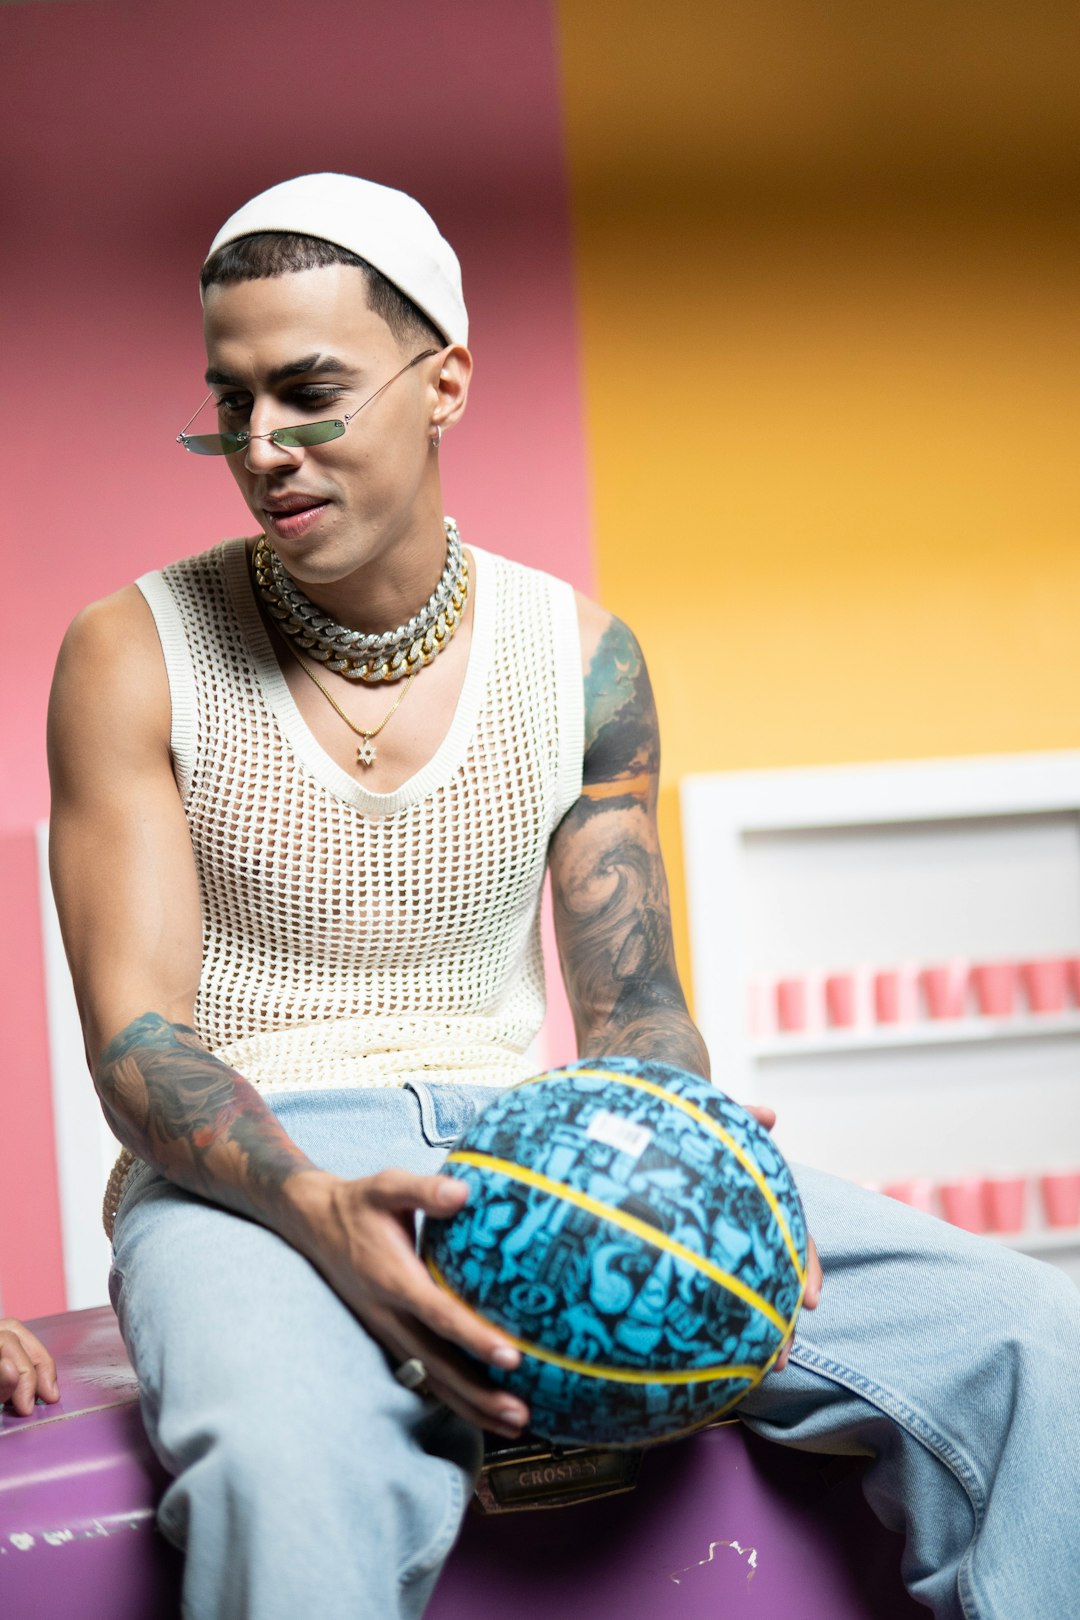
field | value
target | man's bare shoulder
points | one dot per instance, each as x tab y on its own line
113	627
110	676
593	621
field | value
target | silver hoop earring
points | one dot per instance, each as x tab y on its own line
436	435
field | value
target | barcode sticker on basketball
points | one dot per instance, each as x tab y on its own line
621	1134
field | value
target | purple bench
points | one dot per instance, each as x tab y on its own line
720	1524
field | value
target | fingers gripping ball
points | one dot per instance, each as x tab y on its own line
639	1237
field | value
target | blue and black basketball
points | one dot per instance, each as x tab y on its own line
639	1237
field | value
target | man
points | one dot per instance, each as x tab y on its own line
300	904
27	1371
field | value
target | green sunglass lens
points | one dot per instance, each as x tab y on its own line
308	433
211	444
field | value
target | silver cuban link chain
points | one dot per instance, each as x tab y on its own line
389	655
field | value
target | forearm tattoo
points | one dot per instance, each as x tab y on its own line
612	909
177	1106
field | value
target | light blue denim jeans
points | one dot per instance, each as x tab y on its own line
308	1481
955	1364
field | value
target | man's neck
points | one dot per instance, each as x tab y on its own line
393	582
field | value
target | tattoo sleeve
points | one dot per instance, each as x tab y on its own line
177	1106
612	912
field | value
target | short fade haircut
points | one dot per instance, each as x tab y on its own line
279	253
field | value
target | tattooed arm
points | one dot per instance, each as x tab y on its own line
126	889
124	878
612	913
203	1125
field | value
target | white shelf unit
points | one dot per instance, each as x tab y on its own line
799	872
924	1032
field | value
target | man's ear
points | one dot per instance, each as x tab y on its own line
452	386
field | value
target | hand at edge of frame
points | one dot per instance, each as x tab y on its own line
27	1370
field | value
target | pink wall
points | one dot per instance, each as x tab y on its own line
31	1258
132	131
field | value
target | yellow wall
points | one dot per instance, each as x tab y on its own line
828	270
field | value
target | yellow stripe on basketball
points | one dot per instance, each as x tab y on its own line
711	1125
628	1223
592	1369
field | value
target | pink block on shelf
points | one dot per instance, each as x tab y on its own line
1004	1203
894	995
1044	984
944	989
840	1000
918	1192
1072	978
760	1008
791	1004
995	988
962	1203
1061	1197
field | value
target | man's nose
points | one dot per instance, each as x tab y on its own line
261	454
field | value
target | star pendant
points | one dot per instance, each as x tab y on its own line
366	753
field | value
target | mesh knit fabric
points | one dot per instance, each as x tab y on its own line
353	938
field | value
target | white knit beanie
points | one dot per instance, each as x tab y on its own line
387	228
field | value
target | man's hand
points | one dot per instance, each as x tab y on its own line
810	1298
207	1128
26	1368
360	1236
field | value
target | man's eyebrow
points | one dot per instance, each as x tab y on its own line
312	365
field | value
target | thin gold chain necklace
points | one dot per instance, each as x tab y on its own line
367	753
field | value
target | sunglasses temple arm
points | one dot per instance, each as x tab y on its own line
415	361
191	418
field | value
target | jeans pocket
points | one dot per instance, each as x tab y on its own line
445	1112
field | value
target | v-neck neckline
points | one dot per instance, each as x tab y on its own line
449	755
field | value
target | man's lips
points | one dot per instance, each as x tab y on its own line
285	505
291	517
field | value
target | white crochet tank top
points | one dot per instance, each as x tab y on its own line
353	938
